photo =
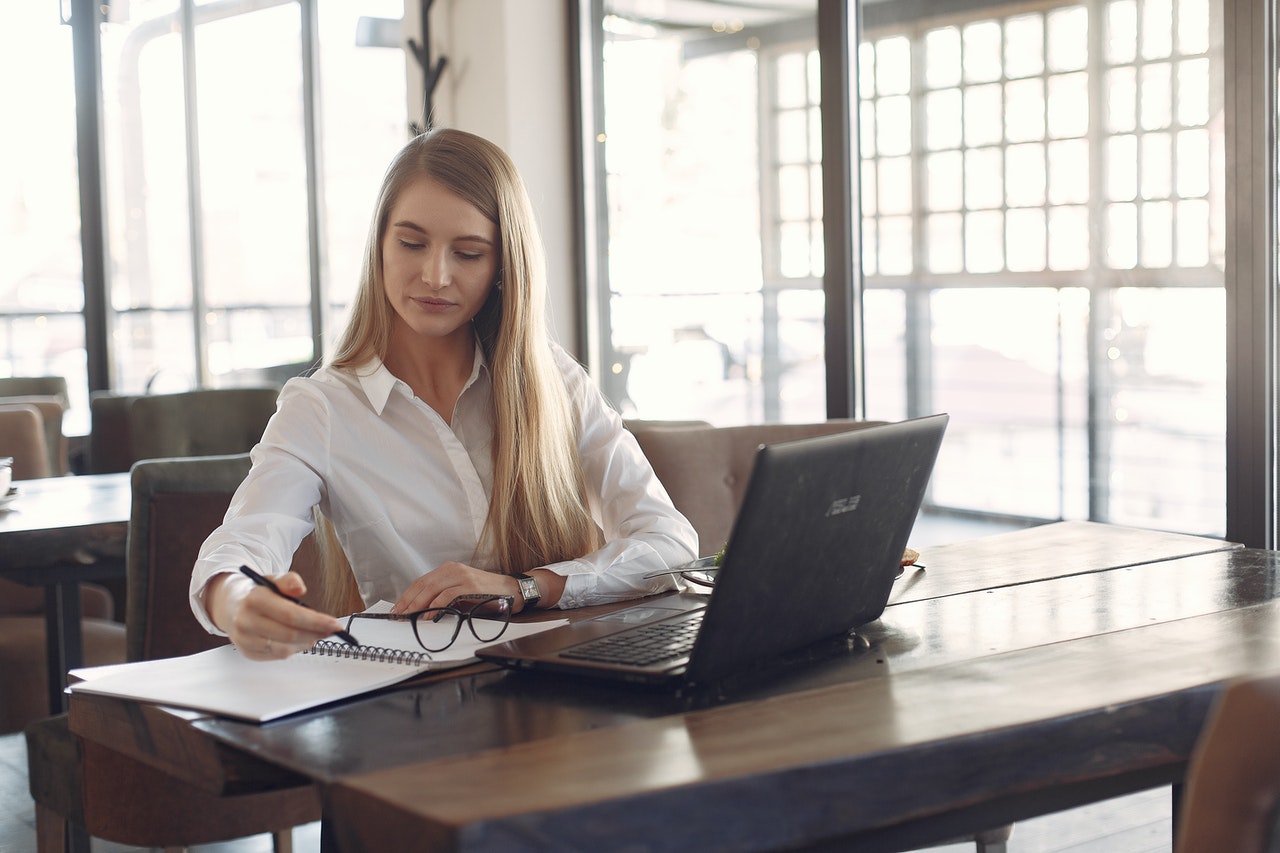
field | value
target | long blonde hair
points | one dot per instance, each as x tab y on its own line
538	512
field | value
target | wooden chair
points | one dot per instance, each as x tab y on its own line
176	504
1232	796
705	471
210	422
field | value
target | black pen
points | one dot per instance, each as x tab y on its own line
262	580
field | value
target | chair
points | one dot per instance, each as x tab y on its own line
22	436
23	650
1231	800
110	445
209	422
35	386
49	395
705	470
176	504
57	445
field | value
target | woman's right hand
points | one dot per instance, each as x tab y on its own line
263	625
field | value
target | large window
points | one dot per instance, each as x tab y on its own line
41	329
710	293
1043	230
1041	246
232	132
242	146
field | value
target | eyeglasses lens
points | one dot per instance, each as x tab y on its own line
438	628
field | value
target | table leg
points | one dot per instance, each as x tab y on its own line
328	838
63	641
1176	793
78	839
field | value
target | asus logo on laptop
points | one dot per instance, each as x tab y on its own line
843	505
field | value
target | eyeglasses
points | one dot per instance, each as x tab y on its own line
437	628
705	578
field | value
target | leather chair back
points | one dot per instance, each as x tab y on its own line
49	394
110	444
209	422
35	386
1232	797
705	469
177	503
22	436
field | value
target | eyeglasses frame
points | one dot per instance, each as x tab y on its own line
505	604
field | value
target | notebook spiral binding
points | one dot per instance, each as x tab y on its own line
330	648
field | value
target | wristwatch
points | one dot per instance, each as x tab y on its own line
528	589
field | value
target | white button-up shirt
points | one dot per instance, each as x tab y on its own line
407	491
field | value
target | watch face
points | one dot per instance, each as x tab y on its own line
529	589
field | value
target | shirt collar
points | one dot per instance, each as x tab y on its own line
377	382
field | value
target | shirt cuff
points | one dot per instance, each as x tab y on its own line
236	585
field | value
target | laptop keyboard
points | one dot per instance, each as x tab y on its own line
643	645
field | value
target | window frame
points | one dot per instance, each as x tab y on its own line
1249	51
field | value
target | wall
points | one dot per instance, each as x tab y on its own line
507	79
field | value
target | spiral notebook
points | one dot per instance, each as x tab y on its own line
222	681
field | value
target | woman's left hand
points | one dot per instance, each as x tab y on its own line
439	587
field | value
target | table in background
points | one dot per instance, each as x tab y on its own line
1054	550
57	532
982	703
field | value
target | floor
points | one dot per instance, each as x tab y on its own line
1139	823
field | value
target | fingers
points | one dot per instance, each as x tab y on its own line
291	583
440	587
267	626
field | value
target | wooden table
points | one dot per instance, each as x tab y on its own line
979	703
58	532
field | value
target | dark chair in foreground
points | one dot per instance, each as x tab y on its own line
1232	794
176	504
705	470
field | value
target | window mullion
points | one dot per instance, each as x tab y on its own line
195	215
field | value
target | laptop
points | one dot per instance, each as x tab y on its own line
813	554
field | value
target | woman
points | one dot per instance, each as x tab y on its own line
452	446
